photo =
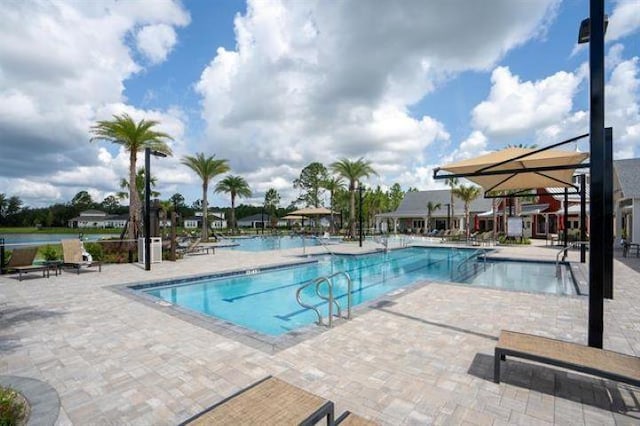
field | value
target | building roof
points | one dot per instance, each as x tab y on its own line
414	204
628	173
92	213
255	218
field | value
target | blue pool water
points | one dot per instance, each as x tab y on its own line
272	243
265	302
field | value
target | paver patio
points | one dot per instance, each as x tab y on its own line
423	357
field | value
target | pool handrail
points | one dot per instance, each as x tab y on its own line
564	251
304	305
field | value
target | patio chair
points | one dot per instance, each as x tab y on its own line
72	252
21	261
597	362
193	247
268	401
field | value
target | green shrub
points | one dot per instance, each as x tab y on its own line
12	409
50	253
95	250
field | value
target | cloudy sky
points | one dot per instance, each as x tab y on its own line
272	85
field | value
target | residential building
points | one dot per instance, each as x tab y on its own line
626	193
98	219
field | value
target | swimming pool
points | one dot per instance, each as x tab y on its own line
272	243
266	301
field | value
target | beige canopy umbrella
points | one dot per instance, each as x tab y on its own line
519	168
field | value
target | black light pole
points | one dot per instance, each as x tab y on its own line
592	31
147	204
360	189
583	217
262	220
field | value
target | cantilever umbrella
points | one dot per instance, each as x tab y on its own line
519	168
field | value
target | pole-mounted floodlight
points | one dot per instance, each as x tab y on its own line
584	34
148	152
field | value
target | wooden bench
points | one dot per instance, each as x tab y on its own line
266	402
597	362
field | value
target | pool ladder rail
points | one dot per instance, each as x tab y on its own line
328	280
563	251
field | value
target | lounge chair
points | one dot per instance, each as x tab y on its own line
193	247
597	362
72	251
268	401
21	261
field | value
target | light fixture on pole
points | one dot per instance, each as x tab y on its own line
148	152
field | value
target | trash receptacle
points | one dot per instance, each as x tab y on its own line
156	250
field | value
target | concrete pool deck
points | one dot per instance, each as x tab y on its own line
421	358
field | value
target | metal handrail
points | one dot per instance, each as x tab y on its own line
564	250
472	255
304	305
330	299
318	281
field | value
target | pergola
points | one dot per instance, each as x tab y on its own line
519	170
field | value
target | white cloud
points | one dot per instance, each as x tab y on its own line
474	146
316	81
156	41
516	107
625	19
62	66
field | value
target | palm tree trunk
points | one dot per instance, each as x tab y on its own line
466	218
134	200
333	227
352	209
451	219
205	210
233	211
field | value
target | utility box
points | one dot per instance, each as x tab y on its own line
156	250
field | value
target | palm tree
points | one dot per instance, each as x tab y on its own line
332	185
236	186
206	168
134	137
431	207
452	183
140	183
467	194
353	171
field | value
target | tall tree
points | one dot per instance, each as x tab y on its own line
110	204
134	138
236	186
82	200
333	184
431	207
4	202
206	167
467	194
395	194
310	183
353	171
452	183
271	202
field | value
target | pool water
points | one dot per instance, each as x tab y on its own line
266	301
272	243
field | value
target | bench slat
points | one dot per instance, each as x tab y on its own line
570	355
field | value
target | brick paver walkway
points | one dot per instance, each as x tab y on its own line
424	357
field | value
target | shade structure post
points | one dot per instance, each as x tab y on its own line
608	217
565	219
597	211
583	217
147	209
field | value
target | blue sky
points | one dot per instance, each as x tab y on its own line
274	85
